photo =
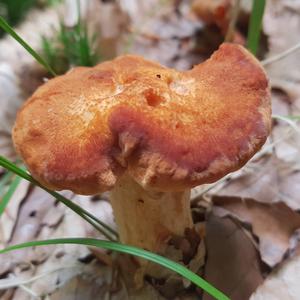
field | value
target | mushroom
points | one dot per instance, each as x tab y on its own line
147	133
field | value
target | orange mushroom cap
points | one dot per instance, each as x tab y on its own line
169	130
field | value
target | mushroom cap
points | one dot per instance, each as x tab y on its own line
169	130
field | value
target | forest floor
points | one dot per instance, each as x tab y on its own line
251	217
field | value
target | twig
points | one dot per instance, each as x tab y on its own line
15	281
291	122
234	17
29	291
280	55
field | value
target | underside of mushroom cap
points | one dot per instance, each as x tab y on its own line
169	130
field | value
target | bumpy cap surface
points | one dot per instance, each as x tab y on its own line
169	130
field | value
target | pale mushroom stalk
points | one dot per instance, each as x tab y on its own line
146	218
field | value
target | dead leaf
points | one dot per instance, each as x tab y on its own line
257	180
164	33
100	209
281	24
9	216
274	224
213	12
233	264
283	283
290	188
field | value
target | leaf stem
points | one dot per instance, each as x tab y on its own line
281	55
233	20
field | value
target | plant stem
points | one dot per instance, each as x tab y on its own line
281	55
234	17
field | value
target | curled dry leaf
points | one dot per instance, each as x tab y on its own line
28	227
163	32
45	219
274	176
257	180
286	137
283	283
290	187
101	209
223	18
88	286
233	264
270	179
281	24
215	12
274	224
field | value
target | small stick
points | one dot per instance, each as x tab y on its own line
280	55
234	17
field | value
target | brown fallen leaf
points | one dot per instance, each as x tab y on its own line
213	12
257	180
289	184
233	264
101	209
285	134
41	217
274	224
163	32
81	288
282	283
281	24
27	227
269	180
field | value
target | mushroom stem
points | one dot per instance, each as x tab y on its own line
148	219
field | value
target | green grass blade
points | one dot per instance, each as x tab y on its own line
4	25
76	208
290	119
5	180
258	8
179	269
12	188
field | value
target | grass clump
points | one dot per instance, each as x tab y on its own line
71	46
